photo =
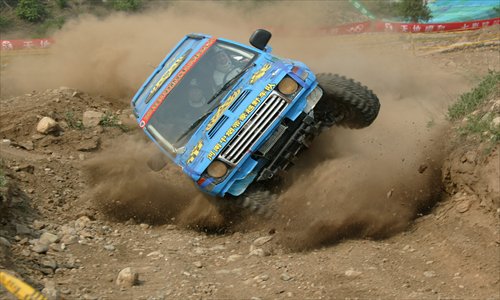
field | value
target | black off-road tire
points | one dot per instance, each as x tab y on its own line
345	102
259	203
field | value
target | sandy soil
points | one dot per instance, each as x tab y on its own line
402	209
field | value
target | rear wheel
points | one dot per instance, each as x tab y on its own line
345	102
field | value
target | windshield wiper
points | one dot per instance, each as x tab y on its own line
196	123
230	82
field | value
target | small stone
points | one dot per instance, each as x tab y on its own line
38	224
422	168
463	206
50	291
46	125
25	168
110	247
197	264
6	142
4	241
171	227
48	238
82	222
22	229
144	226
233	257
28	145
408	248
69	239
127	277
155	253
260	278
199	251
429	274
262	240
495	123
352	273
389	193
89	145
92	118
218	248
40	248
49	263
257	252
285	277
471	156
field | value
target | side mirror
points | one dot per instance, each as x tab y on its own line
260	38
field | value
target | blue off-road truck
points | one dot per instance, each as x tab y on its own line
234	117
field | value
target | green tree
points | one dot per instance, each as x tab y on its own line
126	5
414	11
31	10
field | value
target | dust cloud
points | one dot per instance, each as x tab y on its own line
369	183
114	55
123	187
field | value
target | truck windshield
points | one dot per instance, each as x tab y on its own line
189	100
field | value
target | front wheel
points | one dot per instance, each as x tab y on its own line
345	102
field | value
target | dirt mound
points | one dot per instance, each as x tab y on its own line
472	168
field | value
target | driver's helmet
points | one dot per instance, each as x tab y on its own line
222	60
196	98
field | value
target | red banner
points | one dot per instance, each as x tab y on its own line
7	45
353	28
381	26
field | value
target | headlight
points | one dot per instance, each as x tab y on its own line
217	169
288	86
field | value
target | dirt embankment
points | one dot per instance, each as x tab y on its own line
87	184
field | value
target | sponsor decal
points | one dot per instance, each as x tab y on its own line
175	81
222	109
19	288
258	75
241	120
194	153
167	74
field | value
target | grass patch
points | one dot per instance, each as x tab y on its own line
48	27
111	120
470	101
481	125
5	23
3	179
73	122
477	124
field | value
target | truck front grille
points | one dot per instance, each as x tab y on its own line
256	126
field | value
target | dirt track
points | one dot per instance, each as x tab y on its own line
368	207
